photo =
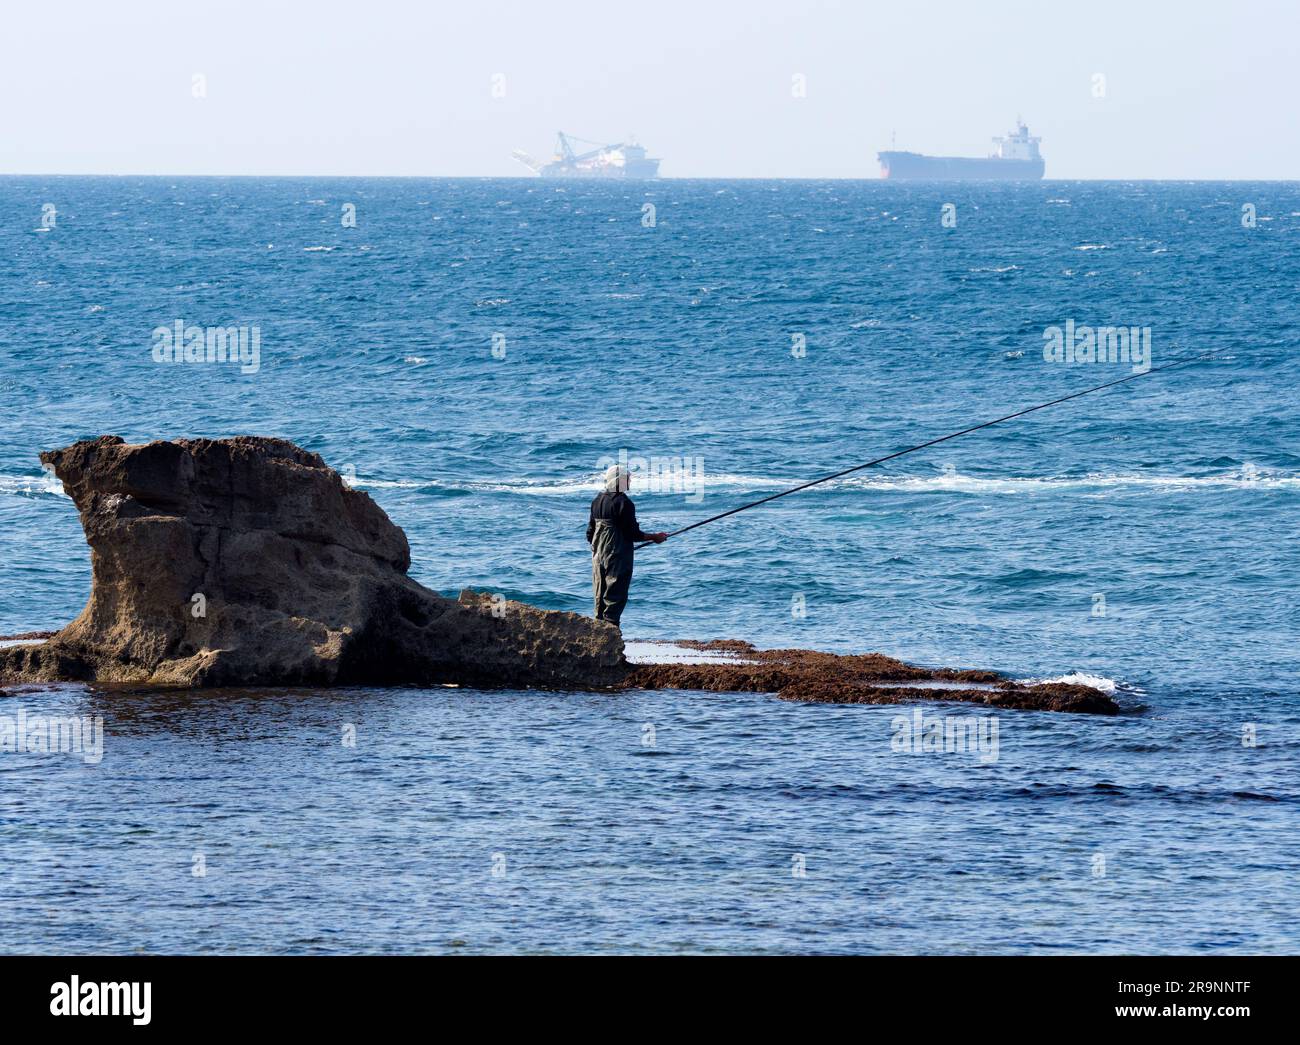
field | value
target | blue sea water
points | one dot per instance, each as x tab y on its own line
1144	536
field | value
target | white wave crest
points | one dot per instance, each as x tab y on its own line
944	482
31	485
641	485
390	484
959	483
1077	678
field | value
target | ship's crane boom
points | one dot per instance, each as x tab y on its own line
564	151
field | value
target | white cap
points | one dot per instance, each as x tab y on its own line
616	478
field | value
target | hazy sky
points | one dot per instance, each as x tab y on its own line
1191	90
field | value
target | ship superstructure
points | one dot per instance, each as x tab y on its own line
620	160
1016	158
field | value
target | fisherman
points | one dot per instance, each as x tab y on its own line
612	529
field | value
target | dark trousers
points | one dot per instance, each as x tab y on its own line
611	572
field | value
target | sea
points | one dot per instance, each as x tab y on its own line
473	353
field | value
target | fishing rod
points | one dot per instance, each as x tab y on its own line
931	442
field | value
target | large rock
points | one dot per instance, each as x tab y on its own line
248	561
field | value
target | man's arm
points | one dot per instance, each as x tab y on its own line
632	529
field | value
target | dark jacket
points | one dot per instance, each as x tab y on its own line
618	509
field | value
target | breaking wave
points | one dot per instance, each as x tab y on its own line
1077	678
942	483
31	485
562	487
48	485
959	483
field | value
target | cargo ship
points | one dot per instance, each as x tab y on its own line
619	160
1016	158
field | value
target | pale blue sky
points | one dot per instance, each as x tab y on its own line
1192	90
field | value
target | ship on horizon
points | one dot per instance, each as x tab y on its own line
620	160
1016	158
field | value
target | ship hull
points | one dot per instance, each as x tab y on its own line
912	166
645	169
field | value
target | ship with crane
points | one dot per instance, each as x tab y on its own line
618	160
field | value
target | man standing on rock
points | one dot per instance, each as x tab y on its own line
612	530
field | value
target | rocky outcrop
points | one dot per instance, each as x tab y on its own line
248	561
869	678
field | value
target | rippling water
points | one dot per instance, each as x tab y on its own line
1144	536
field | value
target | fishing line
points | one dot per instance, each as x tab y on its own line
931	442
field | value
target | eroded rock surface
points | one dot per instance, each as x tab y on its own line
248	561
